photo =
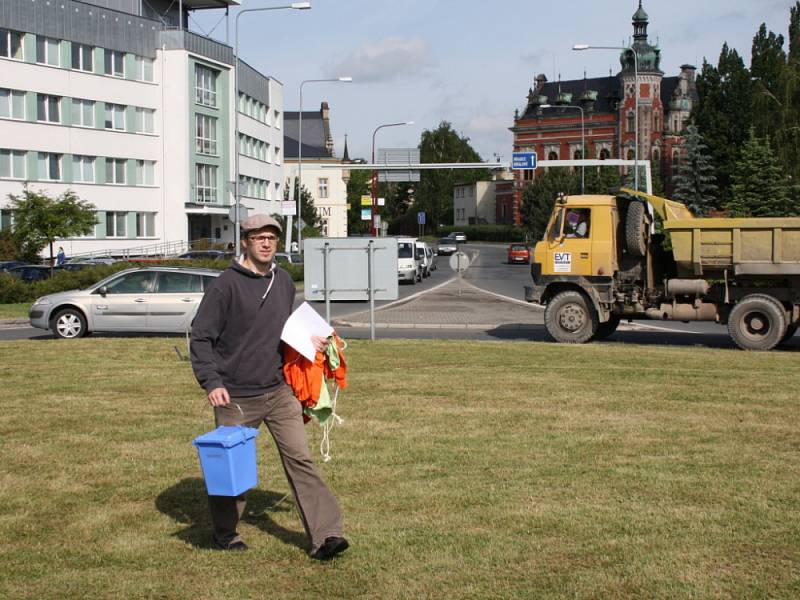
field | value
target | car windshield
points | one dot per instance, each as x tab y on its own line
404	250
518	247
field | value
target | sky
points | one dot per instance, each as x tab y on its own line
469	62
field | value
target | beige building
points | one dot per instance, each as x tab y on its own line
475	203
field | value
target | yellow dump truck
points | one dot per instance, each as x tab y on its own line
600	262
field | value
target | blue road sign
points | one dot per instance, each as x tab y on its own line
421	217
523	160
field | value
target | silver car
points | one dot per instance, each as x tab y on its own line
148	299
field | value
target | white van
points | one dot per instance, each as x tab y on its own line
409	267
425	257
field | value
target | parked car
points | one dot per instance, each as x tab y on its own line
92	260
28	273
425	256
459	236
409	267
10	264
519	253
79	266
447	246
143	299
431	257
207	255
294	258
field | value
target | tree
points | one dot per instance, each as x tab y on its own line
539	197
435	189
357	186
308	212
759	184
40	220
695	182
724	113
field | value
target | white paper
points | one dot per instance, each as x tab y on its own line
301	325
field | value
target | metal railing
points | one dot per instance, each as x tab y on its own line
159	250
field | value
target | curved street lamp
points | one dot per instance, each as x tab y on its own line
373	227
635	100
237	197
300	160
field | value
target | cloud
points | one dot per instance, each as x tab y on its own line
389	59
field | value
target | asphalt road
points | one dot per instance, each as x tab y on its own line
503	284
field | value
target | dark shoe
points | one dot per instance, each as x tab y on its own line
232	546
330	548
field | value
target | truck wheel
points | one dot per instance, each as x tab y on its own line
636	229
570	318
757	322
69	323
606	329
790	331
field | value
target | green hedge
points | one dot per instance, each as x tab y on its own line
13	290
488	233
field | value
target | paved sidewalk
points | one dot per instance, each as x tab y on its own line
452	305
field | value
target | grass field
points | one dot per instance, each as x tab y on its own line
464	470
14	311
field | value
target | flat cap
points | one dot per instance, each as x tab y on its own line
259	221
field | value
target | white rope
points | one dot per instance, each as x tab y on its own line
325	444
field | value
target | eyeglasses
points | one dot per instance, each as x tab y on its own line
260	239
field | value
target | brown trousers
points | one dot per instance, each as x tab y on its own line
282	414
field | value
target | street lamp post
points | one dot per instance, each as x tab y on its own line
583	140
300	159
635	100
237	197
373	227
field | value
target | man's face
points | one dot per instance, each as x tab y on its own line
261	245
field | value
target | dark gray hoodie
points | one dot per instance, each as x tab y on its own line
236	334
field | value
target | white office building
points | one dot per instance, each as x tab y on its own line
117	101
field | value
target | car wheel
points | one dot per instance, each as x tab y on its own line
757	322
69	323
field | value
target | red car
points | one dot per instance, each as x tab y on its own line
519	253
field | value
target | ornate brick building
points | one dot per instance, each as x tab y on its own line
551	121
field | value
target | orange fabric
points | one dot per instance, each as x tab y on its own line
306	378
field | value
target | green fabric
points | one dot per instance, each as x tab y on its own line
333	355
324	408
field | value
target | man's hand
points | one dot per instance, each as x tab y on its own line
219	397
320	343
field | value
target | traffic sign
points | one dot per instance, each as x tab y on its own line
459	262
421	217
523	160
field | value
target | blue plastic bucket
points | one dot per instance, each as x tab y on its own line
228	459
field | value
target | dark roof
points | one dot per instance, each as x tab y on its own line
607	88
313	135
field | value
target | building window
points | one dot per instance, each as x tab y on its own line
49	166
144	68
12	164
115	170
604	154
12	104
277	119
6	219
115	224
552	155
115	117
114	63
527	175
82	57
143	120
47	51
630	154
631	123
205	86
145	172
577	155
206	138
206	185
656	121
48	108
277	160
656	155
145	224
83	169
83	112
323	187
10	44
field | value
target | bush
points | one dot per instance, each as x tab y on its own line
12	290
488	233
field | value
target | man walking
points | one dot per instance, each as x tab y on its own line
237	358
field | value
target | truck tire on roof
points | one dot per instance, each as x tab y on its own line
636	229
757	322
